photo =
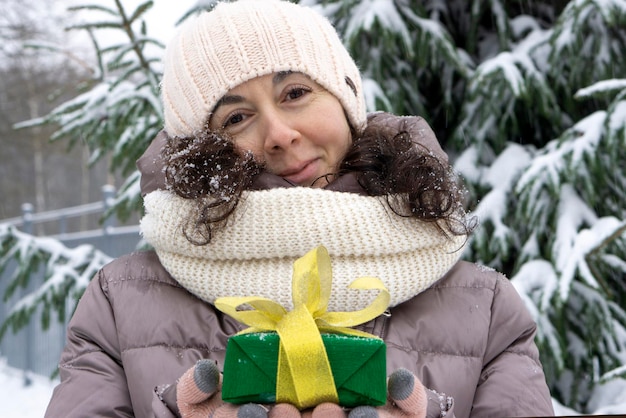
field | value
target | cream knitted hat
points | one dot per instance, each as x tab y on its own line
235	42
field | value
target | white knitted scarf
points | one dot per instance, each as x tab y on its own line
254	254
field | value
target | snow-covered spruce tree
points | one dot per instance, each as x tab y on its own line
528	97
542	134
67	271
117	111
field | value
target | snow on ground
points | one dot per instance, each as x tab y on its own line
18	400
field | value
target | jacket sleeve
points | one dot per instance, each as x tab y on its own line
92	378
512	382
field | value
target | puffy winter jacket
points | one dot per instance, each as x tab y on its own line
136	330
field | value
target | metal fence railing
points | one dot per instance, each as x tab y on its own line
33	349
56	222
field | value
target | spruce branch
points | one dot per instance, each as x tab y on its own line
597	251
66	272
127	28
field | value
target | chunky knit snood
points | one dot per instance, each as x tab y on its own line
253	255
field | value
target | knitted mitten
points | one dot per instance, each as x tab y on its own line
197	391
324	410
407	398
198	396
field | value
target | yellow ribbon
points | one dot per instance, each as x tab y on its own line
304	377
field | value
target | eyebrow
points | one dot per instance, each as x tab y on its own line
280	76
234	99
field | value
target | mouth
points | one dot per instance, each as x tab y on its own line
303	174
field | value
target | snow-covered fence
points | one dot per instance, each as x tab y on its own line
29	220
31	348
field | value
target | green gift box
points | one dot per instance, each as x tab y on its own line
358	366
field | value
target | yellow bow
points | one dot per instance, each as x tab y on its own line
304	377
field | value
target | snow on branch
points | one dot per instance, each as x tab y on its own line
573	243
506	63
617	118
367	12
601	87
67	272
546	168
500	177
536	282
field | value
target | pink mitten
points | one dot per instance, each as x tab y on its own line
198	395
197	391
406	399
325	410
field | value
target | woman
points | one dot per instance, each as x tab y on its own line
267	153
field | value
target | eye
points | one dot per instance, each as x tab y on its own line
295	92
233	119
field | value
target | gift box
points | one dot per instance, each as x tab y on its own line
358	367
307	355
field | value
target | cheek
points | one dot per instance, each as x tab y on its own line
344	146
334	131
247	144
342	137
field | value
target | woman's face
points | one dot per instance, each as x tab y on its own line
289	122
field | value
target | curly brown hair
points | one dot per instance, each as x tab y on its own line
210	169
414	182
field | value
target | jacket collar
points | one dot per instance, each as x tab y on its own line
346	183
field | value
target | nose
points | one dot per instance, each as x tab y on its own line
279	135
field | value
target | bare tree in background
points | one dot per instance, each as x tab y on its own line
32	83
